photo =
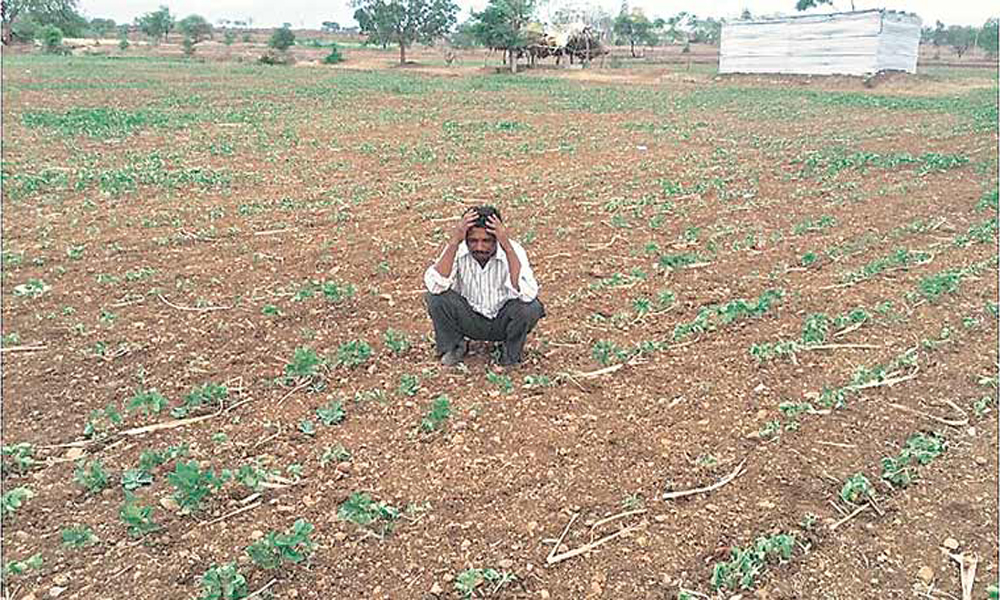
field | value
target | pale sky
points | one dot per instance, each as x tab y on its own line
309	13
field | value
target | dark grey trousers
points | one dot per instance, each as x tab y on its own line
454	319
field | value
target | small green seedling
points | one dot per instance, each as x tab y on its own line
304	365
331	414
307	427
78	537
19	567
353	354
133	479
396	341
91	476
223	583
18	458
14	499
501	381
192	485
409	384
471	582
746	564
377	517
147	401
439	412
856	489
138	519
253	476
335	454
294	546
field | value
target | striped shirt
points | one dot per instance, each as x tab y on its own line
486	288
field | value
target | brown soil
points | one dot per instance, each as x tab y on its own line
508	470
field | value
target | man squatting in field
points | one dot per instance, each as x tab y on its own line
476	292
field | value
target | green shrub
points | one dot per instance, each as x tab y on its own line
282	39
51	38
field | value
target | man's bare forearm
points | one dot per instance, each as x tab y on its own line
515	265
447	261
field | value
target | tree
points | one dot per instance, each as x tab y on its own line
195	27
807	4
634	28
960	38
331	26
102	27
282	39
502	25
61	13
464	36
746	15
940	36
52	38
405	22
156	24
988	37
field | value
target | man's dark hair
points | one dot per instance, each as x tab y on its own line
483	213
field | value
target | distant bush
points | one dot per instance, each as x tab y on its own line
282	39
51	38
334	56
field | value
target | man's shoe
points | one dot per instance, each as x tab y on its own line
453	357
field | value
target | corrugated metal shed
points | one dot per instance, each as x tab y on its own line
852	43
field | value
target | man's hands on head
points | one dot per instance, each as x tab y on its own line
496	227
468	220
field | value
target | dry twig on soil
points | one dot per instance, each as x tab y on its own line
192	308
857	511
950	422
703	490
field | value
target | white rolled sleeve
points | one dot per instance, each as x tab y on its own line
437	283
526	280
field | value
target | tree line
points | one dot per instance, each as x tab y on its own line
510	25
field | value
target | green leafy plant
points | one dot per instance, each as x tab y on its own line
20	567
337	453
336	292
138	519
409	384
18	458
377	517
501	381
90	475
331	414
100	421
204	395
747	564
919	448
275	548
307	427
471	582
538	381
305	364
439	412
147	401
133	479
14	499
856	489
253	476
396	341
32	289
354	353
223	583
192	485
78	537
